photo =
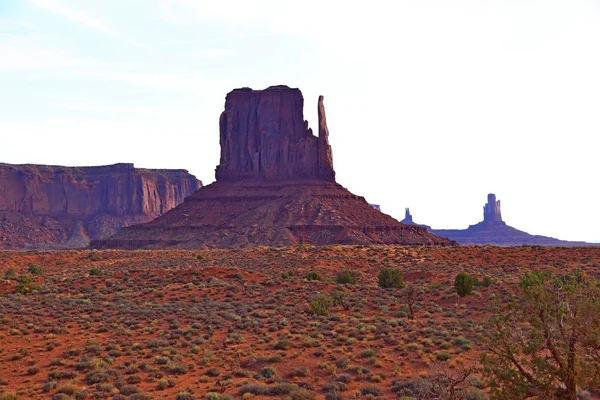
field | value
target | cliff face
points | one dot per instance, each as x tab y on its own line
54	207
275	187
263	135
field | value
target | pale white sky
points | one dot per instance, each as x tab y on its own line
431	104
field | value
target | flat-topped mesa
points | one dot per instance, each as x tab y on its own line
491	211
263	135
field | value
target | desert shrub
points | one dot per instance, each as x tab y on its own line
542	341
283	345
320	304
442	356
390	278
254	389
9	396
346	277
10	273
487	281
35	269
32	370
262	390
128	390
95	272
313	276
62	396
372	390
139	396
26	285
184	396
267	373
162	384
61	374
463	284
302	394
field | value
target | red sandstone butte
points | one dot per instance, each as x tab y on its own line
275	186
51	207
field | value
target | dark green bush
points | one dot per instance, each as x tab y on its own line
10	273
487	281
313	276
390	278
463	283
35	269
346	277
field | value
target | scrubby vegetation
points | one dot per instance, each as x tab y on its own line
224	324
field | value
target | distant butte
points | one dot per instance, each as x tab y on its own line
494	231
275	185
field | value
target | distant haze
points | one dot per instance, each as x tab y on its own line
431	104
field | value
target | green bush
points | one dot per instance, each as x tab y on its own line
487	281
10	273
346	277
95	272
320	304
463	283
35	269
313	276
390	278
26	285
267	373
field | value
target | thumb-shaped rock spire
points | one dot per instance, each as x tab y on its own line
325	157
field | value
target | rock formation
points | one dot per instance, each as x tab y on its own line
492	230
264	136
63	207
275	185
491	210
408	219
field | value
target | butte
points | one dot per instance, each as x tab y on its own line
275	186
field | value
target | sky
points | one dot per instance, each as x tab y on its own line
431	104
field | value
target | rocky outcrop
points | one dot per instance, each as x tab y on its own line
275	186
491	210
56	207
264	136
492	230
408	219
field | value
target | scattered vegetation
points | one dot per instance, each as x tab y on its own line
244	323
390	278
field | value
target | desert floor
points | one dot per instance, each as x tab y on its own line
152	324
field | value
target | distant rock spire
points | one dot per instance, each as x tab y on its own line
407	217
491	211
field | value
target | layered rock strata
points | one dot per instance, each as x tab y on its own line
62	207
275	185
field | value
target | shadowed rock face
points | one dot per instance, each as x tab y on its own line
263	135
57	207
275	186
